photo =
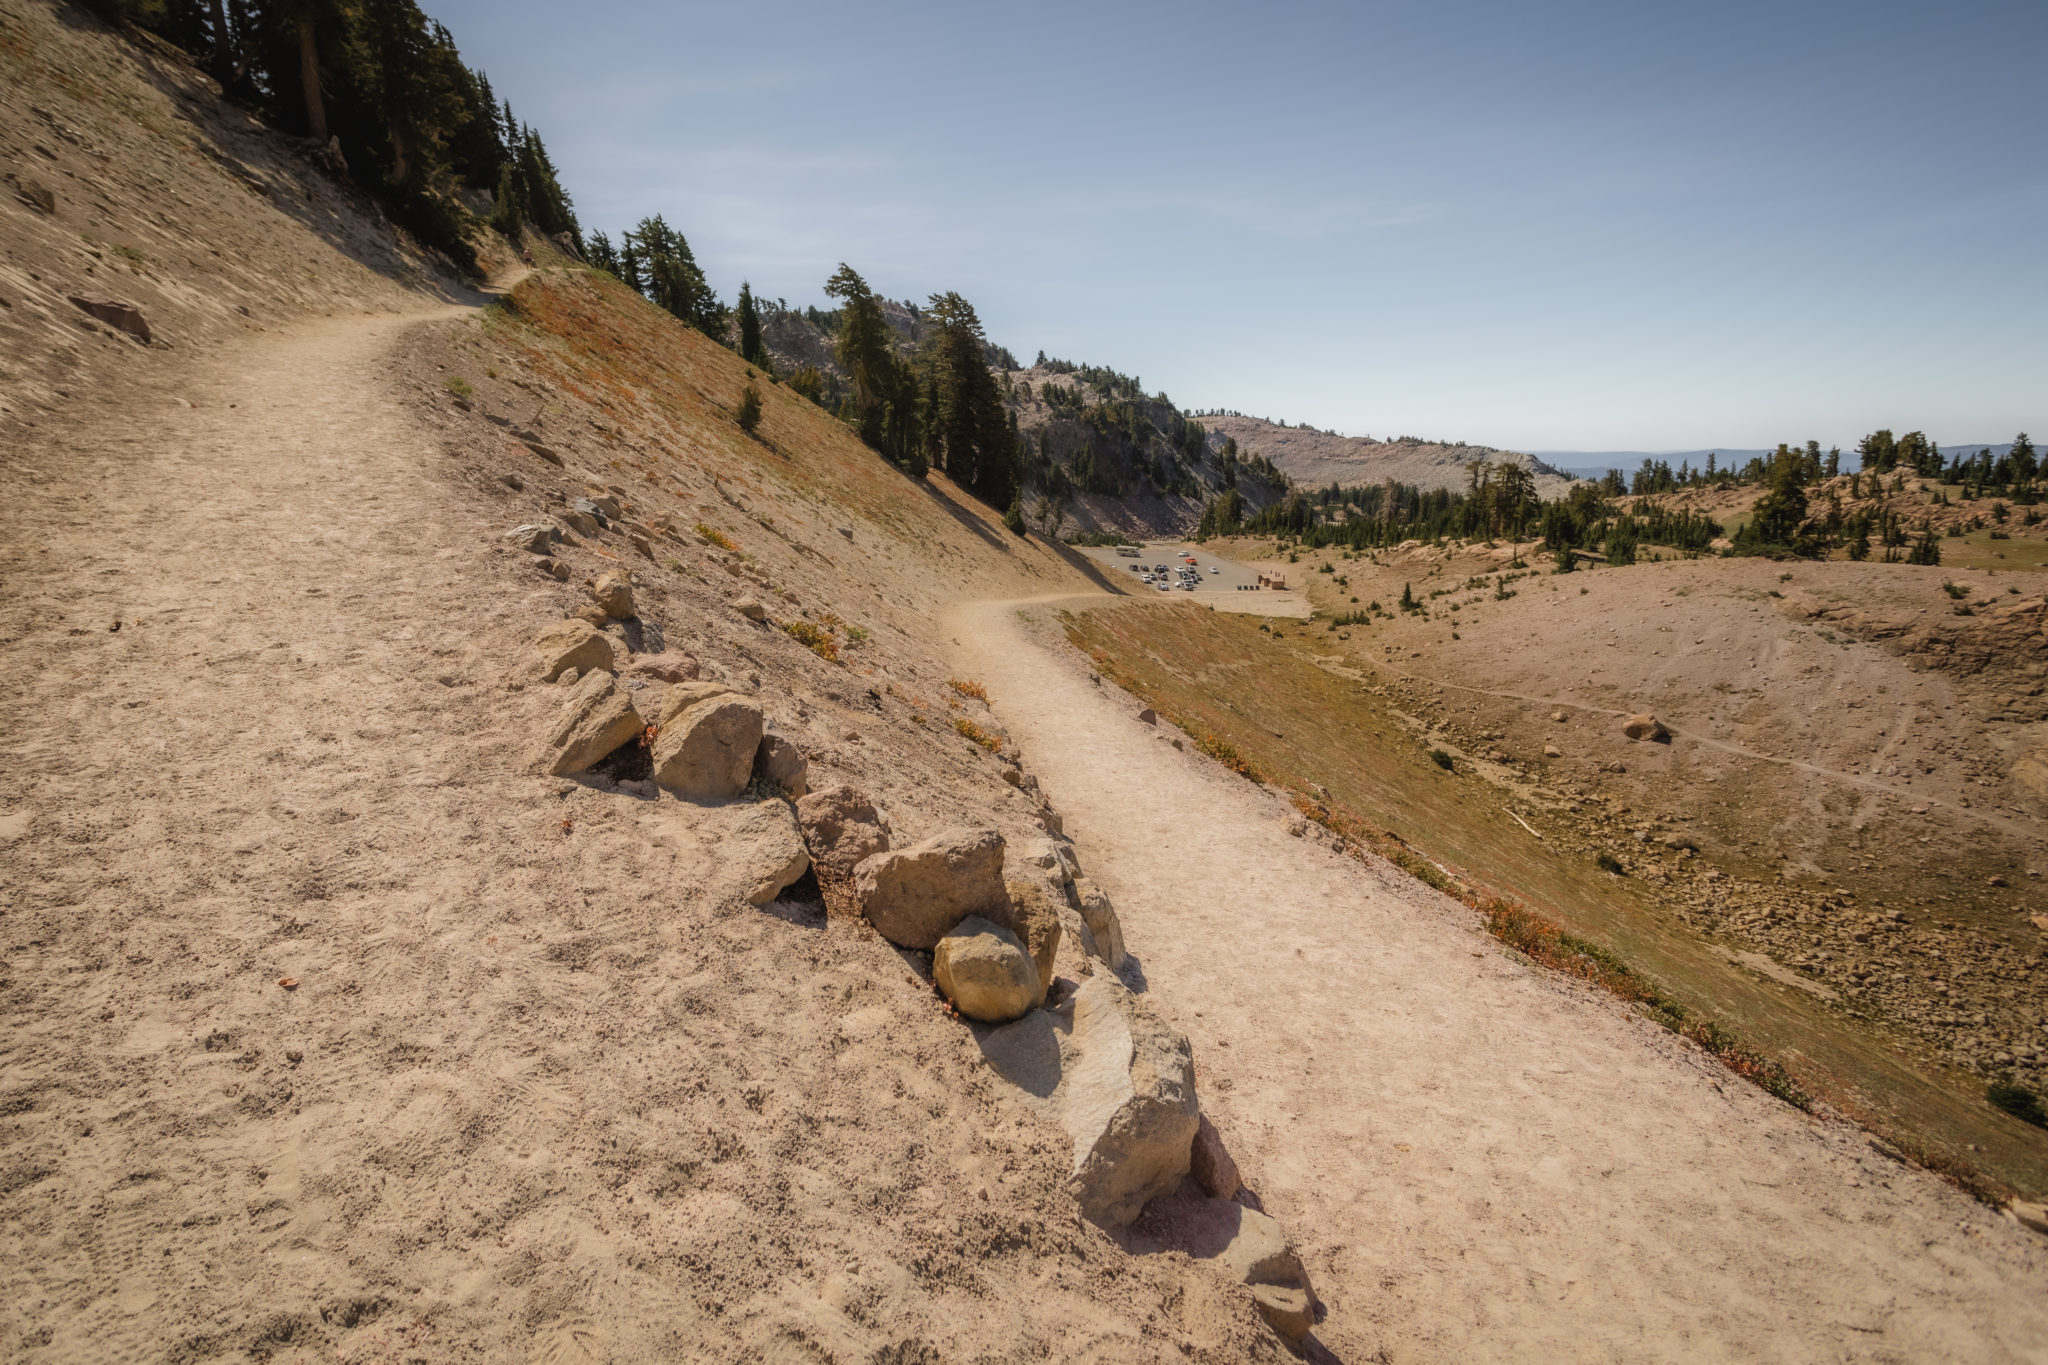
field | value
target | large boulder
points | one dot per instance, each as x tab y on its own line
681	696
779	763
914	895
597	719
1032	913
1054	857
613	594
1103	925
1647	727
707	751
1119	1081
842	828
767	850
573	644
985	971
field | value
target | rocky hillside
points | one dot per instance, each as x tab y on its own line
497	853
1311	457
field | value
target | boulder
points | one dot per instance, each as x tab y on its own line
553	568
681	696
2029	1215
1103	925
35	194
1244	1246
1119	1081
668	667
125	317
1552	751
1647	727
780	763
767	850
1033	915
573	644
589	508
1148	716
1212	1167
597	719
985	971
539	539
914	895
707	751
1053	857
750	609
613	593
842	828
582	523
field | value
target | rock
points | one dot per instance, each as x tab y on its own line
588	508
1148	716
613	593
582	523
1616	767
1646	726
1033	915
707	751
846	531
125	317
767	850
607	508
2029	1215
1119	1081
681	696
1552	751
915	895
668	667
1212	1167
986	972
36	195
597	719
1243	1245
842	828
750	609
573	644
780	763
1558	716
539	539
1053	857
1103	925
553	568
641	543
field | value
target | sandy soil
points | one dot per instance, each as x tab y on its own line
1484	1161
539	1087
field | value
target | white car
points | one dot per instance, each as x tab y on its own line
1214	569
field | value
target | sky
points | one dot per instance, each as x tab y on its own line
1640	226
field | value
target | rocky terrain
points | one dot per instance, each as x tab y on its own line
1318	458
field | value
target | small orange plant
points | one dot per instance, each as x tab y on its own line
717	537
992	743
819	642
966	687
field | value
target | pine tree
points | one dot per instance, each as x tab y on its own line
969	428
749	412
751	348
666	272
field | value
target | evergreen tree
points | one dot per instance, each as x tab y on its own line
665	271
749	412
751	348
968	428
863	348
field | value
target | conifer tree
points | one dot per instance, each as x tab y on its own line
751	348
969	428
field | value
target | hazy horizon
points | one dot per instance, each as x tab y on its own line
1584	227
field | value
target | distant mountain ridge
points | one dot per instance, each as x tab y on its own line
1311	457
1591	464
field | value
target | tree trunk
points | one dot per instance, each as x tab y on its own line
401	164
223	46
309	77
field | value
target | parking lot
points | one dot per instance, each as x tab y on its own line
1222	583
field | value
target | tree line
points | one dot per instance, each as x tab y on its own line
382	93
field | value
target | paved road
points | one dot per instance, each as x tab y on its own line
1232	578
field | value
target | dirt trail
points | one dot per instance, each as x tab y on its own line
1482	1160
539	1089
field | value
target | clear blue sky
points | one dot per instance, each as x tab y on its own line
1542	226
